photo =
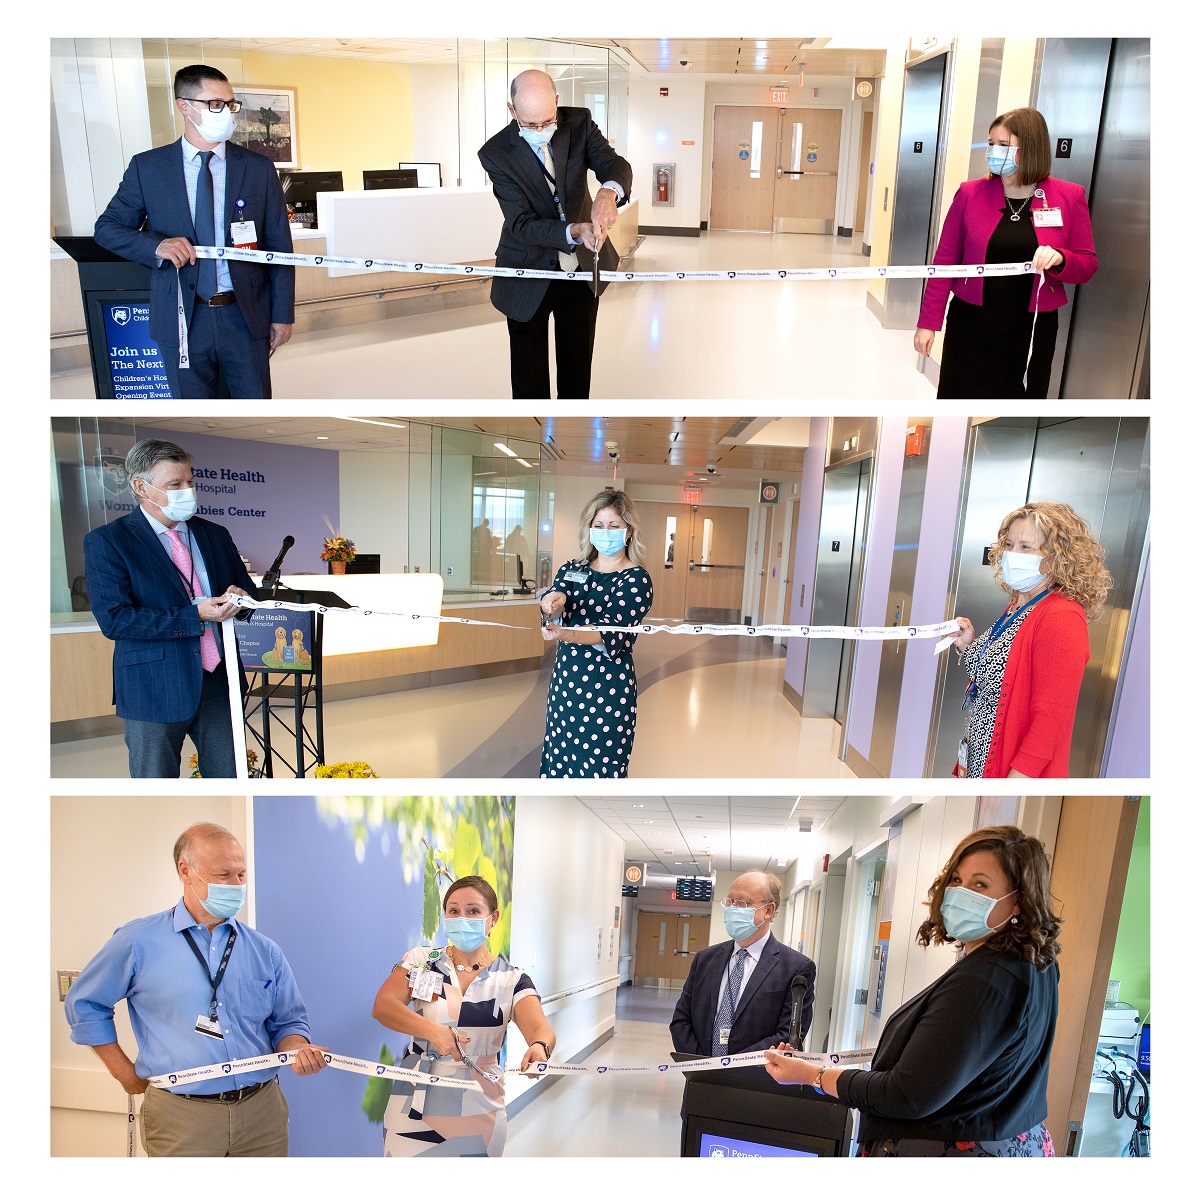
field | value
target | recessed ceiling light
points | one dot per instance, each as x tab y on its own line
322	438
637	806
504	449
368	421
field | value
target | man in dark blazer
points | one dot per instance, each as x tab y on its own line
236	313
731	1008
551	223
152	576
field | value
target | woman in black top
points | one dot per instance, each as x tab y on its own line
961	1068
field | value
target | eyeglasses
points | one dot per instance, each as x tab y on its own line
727	903
215	106
538	126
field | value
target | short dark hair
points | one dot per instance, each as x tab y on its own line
189	79
1033	933
145	455
1033	143
477	882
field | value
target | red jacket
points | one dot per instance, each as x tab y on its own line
1039	692
974	214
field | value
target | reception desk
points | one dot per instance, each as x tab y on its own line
81	656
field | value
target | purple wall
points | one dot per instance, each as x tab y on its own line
283	489
1129	752
935	554
877	576
804	553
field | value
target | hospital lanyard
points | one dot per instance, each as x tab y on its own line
562	216
215	980
994	634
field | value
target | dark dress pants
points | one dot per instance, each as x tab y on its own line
574	309
219	343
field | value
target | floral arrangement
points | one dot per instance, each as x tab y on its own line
194	763
338	549
346	770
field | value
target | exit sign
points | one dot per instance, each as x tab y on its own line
779	95
692	497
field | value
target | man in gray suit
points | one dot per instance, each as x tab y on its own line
205	190
538	166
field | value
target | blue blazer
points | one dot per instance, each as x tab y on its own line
139	601
764	1012
151	204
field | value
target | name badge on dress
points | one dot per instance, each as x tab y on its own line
1047	218
575	576
209	1026
723	1037
244	236
425	985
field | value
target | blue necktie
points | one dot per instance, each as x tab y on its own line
729	1000
206	231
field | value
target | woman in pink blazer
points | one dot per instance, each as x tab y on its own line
1017	214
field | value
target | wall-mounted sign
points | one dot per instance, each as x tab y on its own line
692	497
662	91
768	493
633	873
864	89
779	95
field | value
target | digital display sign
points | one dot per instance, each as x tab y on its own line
689	888
713	1145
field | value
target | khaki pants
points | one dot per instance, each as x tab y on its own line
254	1127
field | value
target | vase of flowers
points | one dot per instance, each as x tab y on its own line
337	553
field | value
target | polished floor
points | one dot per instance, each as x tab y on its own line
769	339
707	708
589	1116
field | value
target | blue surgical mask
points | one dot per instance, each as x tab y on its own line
609	542
224	899
1022	572
739	922
538	138
965	914
466	933
1001	160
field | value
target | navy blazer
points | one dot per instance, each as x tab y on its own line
764	1012
139	601
533	232
153	193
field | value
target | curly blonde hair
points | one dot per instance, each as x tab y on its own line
623	506
1033	931
1072	558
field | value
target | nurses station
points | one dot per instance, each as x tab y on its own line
609	907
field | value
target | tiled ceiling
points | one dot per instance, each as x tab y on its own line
665	450
689	835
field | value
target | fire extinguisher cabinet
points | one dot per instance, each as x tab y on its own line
663	189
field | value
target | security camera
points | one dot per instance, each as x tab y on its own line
711	468
614	454
683	62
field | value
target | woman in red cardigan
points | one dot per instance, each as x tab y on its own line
1017	214
1025	671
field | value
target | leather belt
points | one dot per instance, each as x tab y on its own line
227	1097
219	300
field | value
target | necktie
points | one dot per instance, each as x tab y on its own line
210	655
729	1000
206	230
567	259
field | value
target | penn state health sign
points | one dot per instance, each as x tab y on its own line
134	361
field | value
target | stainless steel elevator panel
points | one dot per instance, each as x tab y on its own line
1108	350
1098	465
835	587
916	174
899	603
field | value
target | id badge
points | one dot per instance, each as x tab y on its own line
962	756
245	238
425	985
723	1037
575	576
1047	218
209	1027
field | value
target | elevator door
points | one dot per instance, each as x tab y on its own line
836	587
1099	466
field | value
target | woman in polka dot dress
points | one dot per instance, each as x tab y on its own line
592	706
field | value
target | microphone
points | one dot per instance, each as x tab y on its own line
799	986
270	580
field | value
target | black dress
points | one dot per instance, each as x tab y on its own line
592	706
985	346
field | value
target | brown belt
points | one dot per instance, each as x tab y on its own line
227	1097
219	300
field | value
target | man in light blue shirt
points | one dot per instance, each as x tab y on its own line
200	988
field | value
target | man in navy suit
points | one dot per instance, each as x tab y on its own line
205	190
737	996
156	579
538	166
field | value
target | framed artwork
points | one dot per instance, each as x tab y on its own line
267	124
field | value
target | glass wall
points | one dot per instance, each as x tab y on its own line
472	506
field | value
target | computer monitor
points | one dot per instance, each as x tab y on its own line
300	190
1143	1051
363	564
378	181
429	174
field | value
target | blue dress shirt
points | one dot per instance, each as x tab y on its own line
149	964
216	168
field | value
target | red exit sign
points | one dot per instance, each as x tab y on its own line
779	95
692	497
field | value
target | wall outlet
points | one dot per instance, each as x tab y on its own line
65	979
449	570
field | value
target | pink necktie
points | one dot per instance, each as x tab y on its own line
209	654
